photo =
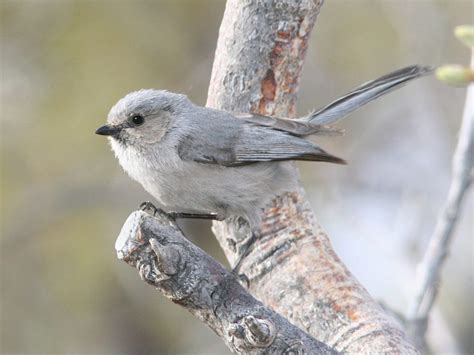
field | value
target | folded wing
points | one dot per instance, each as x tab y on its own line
297	127
246	144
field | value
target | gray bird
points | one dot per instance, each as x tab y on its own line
200	160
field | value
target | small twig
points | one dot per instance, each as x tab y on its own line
429	269
191	278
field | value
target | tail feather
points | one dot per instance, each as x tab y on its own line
321	156
365	93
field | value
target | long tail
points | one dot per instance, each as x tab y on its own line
364	94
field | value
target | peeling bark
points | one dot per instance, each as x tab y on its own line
251	71
292	267
192	279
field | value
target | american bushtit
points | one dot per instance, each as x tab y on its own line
198	160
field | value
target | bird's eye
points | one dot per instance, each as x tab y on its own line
137	120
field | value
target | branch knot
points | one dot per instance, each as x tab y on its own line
251	332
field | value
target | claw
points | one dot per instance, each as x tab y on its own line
147	206
243	279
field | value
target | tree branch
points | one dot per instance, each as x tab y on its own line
191	278
429	269
292	267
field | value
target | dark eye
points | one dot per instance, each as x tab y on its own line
137	120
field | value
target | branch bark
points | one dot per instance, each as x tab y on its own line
292	267
429	269
191	278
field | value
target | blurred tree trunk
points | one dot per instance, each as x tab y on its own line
292	267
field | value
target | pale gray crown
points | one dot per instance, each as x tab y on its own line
146	102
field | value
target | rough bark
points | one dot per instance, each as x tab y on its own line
191	278
292	267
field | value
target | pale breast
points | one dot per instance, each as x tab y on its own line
187	186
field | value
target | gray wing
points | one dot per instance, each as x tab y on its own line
296	127
236	143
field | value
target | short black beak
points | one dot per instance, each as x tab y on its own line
108	130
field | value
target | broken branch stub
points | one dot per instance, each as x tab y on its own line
191	278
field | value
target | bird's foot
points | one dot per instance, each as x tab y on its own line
243	279
147	206
247	248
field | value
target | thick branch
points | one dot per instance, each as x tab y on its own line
191	278
429	269
292	267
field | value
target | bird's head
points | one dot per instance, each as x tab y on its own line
142	117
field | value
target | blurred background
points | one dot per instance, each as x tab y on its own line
64	197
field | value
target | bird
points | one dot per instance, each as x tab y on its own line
200	161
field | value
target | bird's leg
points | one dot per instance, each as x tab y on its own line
148	206
247	248
176	215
